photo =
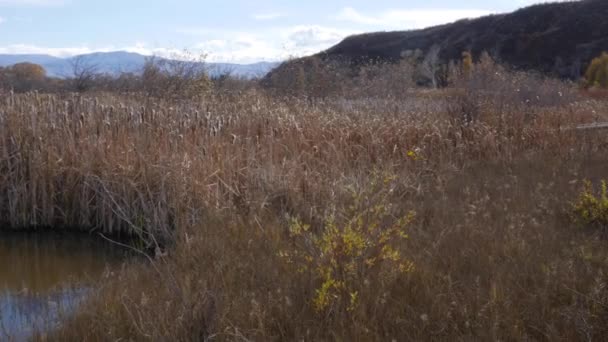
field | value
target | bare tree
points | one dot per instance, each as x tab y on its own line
175	78
83	73
430	65
576	69
221	77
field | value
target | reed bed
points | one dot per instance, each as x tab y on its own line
242	190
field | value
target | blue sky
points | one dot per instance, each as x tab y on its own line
229	31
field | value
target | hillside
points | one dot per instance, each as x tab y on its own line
121	61
555	38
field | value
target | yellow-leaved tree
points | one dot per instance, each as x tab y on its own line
597	72
467	62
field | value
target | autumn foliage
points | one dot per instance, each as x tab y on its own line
23	77
597	72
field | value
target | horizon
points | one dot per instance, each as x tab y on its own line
68	57
269	31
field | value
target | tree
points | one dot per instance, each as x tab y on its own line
186	77
3	79
28	71
430	65
576	69
467	63
299	82
24	76
597	72
83	74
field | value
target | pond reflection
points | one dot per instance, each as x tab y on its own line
45	276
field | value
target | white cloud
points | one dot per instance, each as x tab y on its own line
534	2
312	36
143	49
57	52
408	19
196	31
270	44
38	3
304	40
239	49
268	16
140	48
1	20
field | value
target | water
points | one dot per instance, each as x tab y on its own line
43	277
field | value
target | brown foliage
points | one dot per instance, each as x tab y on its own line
226	183
28	71
318	79
23	77
494	253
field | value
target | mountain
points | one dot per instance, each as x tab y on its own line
6	60
554	38
122	61
254	70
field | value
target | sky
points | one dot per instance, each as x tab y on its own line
237	31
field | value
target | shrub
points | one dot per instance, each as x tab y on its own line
175	79
23	77
317	78
345	259
597	72
591	208
467	62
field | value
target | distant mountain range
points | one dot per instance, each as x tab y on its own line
121	61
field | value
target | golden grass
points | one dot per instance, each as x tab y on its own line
221	182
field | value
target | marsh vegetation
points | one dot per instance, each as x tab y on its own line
436	214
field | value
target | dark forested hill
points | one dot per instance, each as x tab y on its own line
556	38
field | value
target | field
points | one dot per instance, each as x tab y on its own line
436	215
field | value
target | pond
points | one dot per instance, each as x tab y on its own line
43	277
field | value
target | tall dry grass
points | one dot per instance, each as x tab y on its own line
220	183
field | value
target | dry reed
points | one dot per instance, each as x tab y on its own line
495	257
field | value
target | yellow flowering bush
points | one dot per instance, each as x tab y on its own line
591	209
344	258
414	154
